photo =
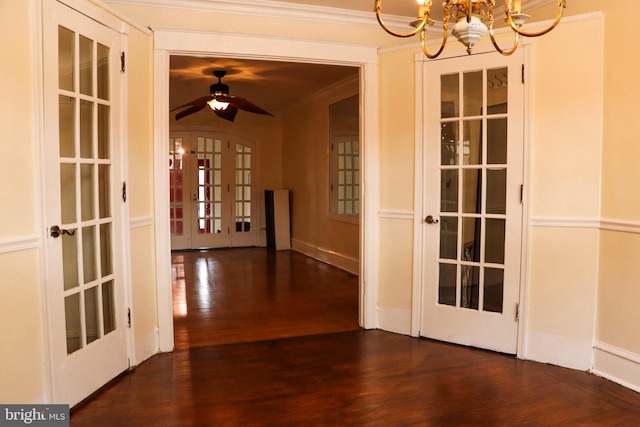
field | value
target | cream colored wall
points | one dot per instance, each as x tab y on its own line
203	20
16	123
140	193
618	295
618	291
565	161
305	153
22	352
397	141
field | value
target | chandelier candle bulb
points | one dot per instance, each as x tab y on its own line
472	19
517	6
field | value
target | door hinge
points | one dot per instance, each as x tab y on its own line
128	318
522	73
517	312
521	193
124	191
122	62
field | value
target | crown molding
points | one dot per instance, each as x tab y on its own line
275	9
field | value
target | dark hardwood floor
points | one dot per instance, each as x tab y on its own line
238	295
298	373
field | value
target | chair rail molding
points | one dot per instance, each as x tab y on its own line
16	244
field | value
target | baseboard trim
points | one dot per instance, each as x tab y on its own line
617	365
333	258
397	320
559	350
146	347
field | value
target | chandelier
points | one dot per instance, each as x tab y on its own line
470	17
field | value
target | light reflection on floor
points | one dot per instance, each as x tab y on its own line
179	287
203	289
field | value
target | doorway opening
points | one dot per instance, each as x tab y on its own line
224	45
219	171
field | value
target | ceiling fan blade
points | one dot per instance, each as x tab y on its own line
243	104
194	106
228	113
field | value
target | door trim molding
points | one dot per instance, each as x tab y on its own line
220	44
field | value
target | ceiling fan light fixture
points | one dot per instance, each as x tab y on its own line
223	105
218	105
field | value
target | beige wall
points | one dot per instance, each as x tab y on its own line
22	352
618	291
565	160
305	153
140	193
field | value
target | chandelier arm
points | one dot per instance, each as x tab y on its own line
445	34
499	49
562	4
424	47
493	37
419	28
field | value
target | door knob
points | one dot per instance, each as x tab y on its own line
430	220
57	231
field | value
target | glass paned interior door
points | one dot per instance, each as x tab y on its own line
211	190
243	188
85	182
473	171
208	196
176	186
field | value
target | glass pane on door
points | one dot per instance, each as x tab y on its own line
85	189
473	175
243	188
176	186
208	196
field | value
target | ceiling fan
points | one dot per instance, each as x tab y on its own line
224	105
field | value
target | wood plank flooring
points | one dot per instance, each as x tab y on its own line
238	295
341	378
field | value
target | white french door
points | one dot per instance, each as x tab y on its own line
82	167
472	200
211	191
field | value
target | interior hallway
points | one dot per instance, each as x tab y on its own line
309	365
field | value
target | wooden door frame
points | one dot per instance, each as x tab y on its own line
169	42
418	218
